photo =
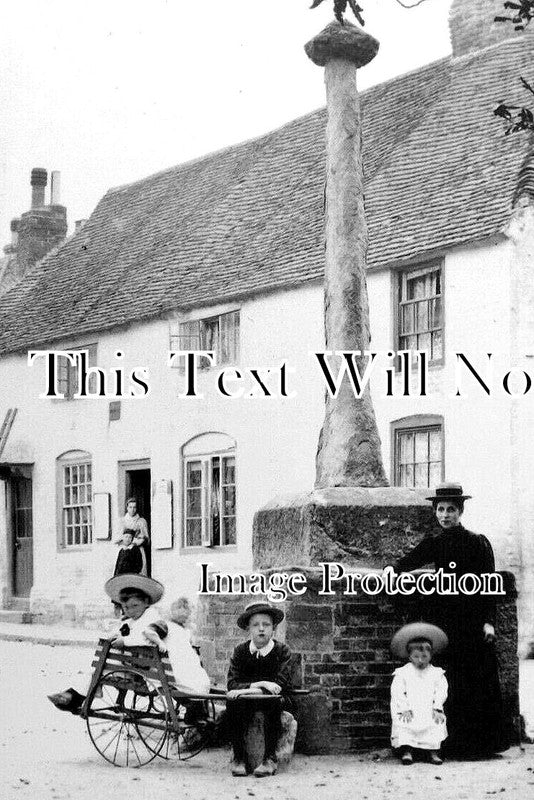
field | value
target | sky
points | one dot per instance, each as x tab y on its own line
109	91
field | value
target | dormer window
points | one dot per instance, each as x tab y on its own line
219	333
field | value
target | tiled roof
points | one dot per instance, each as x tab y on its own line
9	272
439	172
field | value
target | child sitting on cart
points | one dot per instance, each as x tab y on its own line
142	625
188	672
259	666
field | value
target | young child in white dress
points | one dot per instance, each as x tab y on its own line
189	674
418	693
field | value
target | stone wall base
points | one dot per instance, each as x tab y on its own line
341	655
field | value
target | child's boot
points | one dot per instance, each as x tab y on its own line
406	755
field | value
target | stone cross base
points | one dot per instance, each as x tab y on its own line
355	525
341	655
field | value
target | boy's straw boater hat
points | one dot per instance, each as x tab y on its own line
276	614
449	491
153	589
418	630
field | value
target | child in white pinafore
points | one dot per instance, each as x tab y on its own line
418	693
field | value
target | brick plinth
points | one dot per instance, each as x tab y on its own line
341	655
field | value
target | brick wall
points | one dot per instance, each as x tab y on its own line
341	655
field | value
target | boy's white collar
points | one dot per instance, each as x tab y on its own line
261	651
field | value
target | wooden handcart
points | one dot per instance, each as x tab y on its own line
134	712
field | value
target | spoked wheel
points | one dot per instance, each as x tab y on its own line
127	720
189	740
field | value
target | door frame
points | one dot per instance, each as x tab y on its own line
131	465
9	473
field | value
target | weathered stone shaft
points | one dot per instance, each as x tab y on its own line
349	445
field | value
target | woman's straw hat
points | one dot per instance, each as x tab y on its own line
449	491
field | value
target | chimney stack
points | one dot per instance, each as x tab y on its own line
14	226
11	248
38	182
43	227
55	188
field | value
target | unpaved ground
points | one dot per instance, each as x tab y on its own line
47	755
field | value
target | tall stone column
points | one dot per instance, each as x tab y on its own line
351	515
349	445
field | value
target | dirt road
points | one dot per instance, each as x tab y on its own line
47	755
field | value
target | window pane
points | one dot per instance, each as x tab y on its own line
435	312
421	447
229	331
421	316
229	500
229	470
437	346
209	334
216	529
435	445
194	473
193	532
194	503
421	476
435	474
408	319
229	530
408	475
424	342
406	450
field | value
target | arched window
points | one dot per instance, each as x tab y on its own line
75	499
209	491
418	452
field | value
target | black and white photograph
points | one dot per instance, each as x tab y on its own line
266	399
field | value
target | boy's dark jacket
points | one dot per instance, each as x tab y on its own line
246	667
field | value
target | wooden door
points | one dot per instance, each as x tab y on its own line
22	527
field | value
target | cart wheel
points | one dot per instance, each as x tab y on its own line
189	740
127	720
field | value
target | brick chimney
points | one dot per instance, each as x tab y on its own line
12	246
38	183
43	227
472	27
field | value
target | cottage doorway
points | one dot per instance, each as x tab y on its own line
135	481
20	517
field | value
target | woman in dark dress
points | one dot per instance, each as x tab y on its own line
474	707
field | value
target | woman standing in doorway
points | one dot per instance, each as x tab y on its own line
134	522
474	707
